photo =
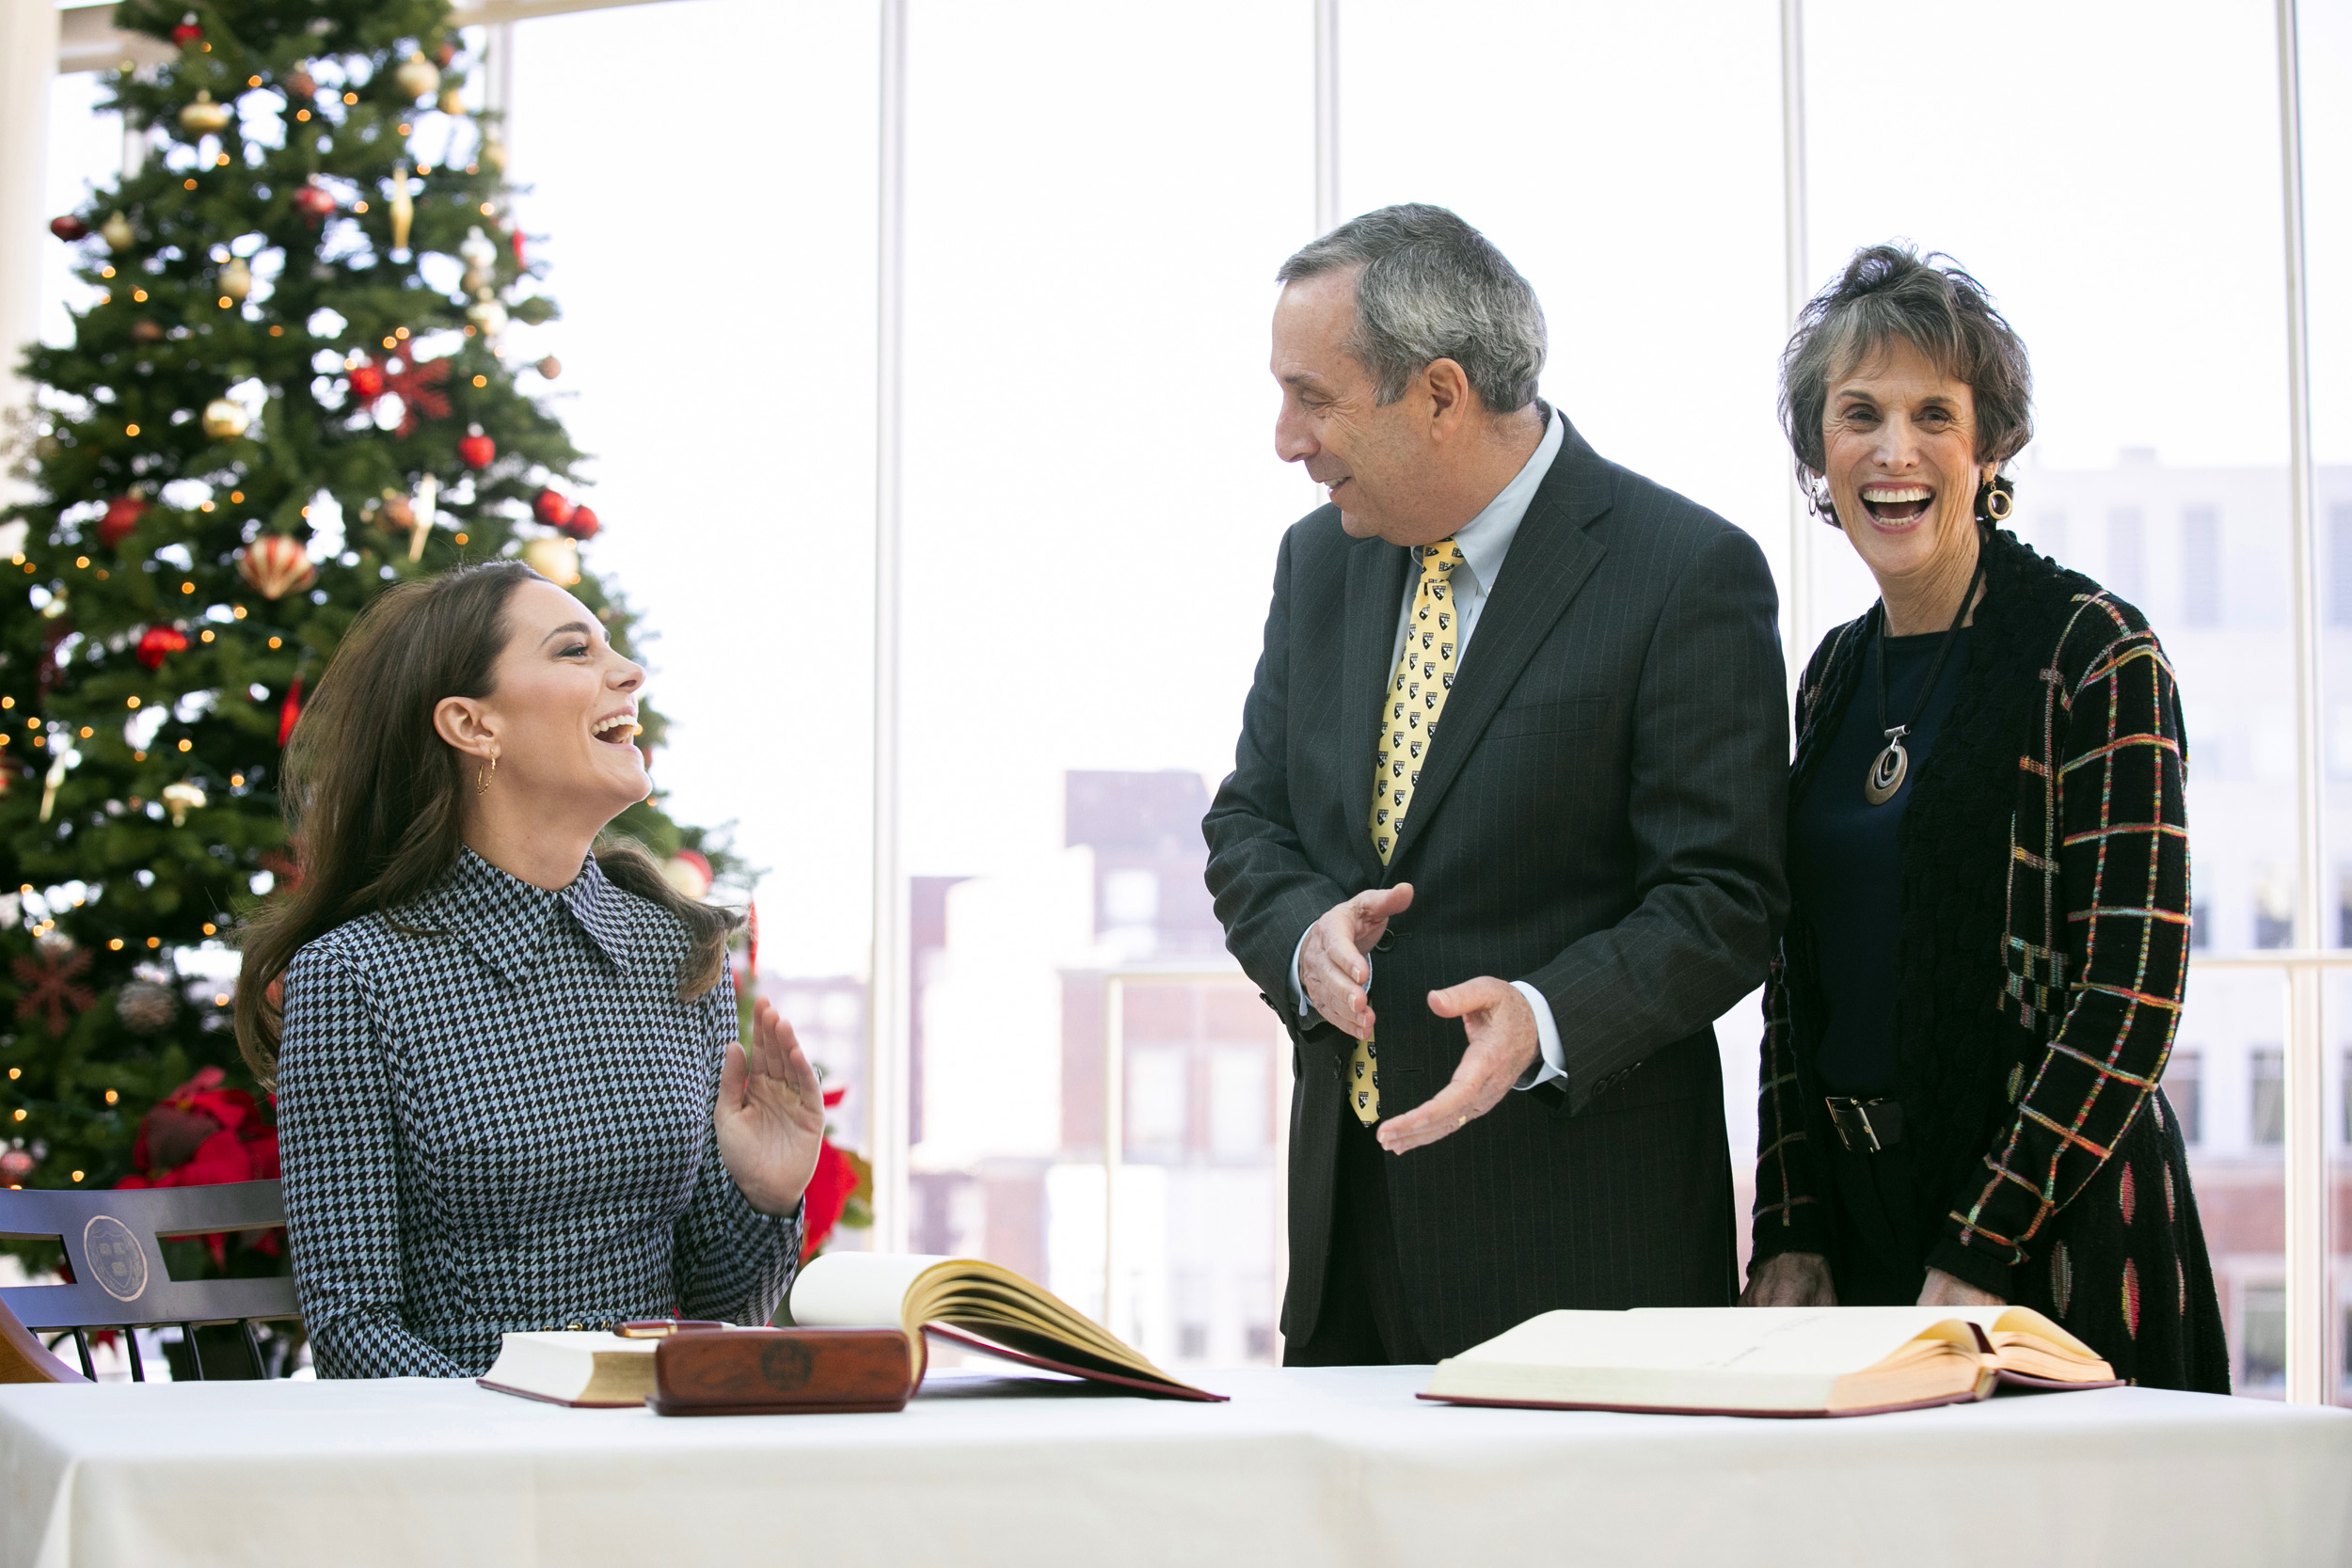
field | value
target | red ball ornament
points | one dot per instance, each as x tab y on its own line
313	202
122	515
156	643
477	450
583	523
187	32
551	508
69	228
367	381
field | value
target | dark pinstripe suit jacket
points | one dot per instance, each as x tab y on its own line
1601	815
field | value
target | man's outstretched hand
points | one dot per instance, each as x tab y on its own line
1333	968
1503	1045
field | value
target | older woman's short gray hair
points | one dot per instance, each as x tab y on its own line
1433	288
1889	291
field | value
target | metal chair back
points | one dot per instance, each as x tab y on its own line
110	1238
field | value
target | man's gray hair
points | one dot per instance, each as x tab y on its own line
1433	288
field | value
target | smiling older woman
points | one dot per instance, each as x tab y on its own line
1988	850
510	1089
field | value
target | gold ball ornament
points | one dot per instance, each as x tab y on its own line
225	421
556	559
236	279
182	798
398	514
117	233
452	101
204	118
417	75
494	151
479	253
486	313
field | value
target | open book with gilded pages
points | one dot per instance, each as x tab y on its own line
980	1305
1768	1361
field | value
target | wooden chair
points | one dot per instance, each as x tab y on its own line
109	1238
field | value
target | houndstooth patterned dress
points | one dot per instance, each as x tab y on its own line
494	1113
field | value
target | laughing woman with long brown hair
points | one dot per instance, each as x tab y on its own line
510	1089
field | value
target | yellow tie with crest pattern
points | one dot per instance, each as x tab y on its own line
1409	723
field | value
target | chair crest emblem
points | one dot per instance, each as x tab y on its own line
115	1257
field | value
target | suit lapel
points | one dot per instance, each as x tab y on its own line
1376	598
1551	557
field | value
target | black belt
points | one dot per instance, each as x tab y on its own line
1865	1126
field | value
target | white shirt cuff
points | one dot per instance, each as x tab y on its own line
1551	1065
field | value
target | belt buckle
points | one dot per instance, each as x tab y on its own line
1841	1108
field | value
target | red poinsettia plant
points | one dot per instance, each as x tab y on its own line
201	1134
840	1190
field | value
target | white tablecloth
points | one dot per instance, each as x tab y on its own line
1337	1466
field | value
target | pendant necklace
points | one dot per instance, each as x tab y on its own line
1892	765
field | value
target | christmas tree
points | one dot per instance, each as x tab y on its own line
291	393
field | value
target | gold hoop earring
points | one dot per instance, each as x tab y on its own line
1996	502
482	783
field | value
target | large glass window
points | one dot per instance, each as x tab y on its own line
712	250
2326	31
1096	199
85	152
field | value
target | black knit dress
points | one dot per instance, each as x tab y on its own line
2044	908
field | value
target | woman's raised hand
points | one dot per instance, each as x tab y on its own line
771	1114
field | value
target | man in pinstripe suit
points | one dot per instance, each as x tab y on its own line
1503	834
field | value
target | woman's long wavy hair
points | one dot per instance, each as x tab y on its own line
373	798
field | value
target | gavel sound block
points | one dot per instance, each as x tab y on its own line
781	1372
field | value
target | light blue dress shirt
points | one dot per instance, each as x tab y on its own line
1484	541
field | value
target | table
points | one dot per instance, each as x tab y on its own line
1304	1467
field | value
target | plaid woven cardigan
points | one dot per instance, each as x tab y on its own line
2045	910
